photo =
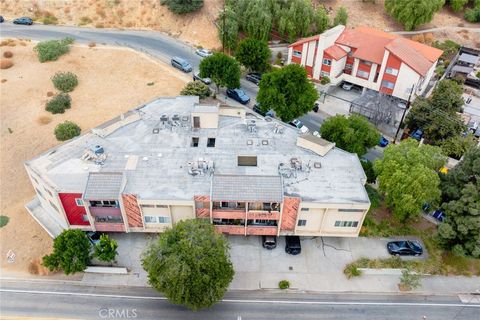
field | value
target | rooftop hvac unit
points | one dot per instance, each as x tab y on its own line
164	118
98	149
176	117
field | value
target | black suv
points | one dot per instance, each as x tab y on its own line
254	77
269	242
292	245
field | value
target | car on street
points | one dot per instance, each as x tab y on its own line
404	248
269	113
299	125
254	77
203	52
439	215
269	242
417	134
181	64
93	236
292	245
383	142
196	76
477	133
347	86
315	107
23	20
1	19
238	95
472	126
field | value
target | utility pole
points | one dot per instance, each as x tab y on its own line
223	28
403	115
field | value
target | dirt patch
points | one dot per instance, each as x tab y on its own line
111	81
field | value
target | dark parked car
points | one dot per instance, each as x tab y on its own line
23	20
181	64
269	242
256	108
404	248
238	95
1	19
292	245
94	237
254	77
315	107
383	142
417	134
196	76
439	215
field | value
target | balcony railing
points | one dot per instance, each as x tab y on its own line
240	230
263	215
262	231
228	214
112	227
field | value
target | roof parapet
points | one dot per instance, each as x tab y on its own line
316	144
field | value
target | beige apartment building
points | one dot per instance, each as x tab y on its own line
174	159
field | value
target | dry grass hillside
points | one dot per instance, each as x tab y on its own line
111	81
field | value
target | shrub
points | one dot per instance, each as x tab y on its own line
351	270
3	221
84	21
67	130
92	44
196	88
369	172
106	249
284	284
181	6
65	81
51	50
325	80
374	196
49	19
8	54
279	55
5	64
59	103
409	281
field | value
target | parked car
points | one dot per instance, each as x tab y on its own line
269	113
269	242
292	245
439	215
238	95
315	107
383	142
203	52
299	125
417	134
181	64
94	237
404	248
23	20
477	133
472	126
196	76
1	19
347	86
254	77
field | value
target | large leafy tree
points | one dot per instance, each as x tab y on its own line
253	54
106	249
222	69
295	18
71	252
321	20
408	177
353	134
228	28
412	13
189	264
457	5
258	22
341	17
287	91
447	96
182	6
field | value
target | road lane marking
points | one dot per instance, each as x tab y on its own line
353	303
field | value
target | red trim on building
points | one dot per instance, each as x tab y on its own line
297	60
74	212
394	63
326	68
289	214
363	67
132	210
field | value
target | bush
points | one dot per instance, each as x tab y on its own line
351	270
50	19
59	103
196	88
8	54
409	281
369	172
325	80
284	284
3	221
182	6
374	197
65	81
106	249
5	64
67	130
51	50
84	21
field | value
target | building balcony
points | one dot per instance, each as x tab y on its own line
262	231
263	215
239	230
228	214
105	211
109	227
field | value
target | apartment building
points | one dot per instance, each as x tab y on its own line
369	58
174	159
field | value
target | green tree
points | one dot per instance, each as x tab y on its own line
71	252
295	19
456	146
106	249
408	177
66	130
253	54
341	17
321	20
182	6
287	91
65	81
222	69
59	103
412	13
461	230
190	264
353	134
447	96
369	171
457	5
196	88
449	48
473	14
258	22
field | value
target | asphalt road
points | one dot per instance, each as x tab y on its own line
42	299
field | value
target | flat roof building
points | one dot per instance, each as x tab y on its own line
175	159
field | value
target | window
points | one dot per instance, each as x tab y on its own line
109	219
150	219
362	74
163	220
148	206
387	84
327	62
391	71
79	202
368	63
351	210
302	223
324	74
161	206
348	66
104	204
196	122
337	223
305	209
211	142
297	53
195	142
247	161
346	224
84	217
